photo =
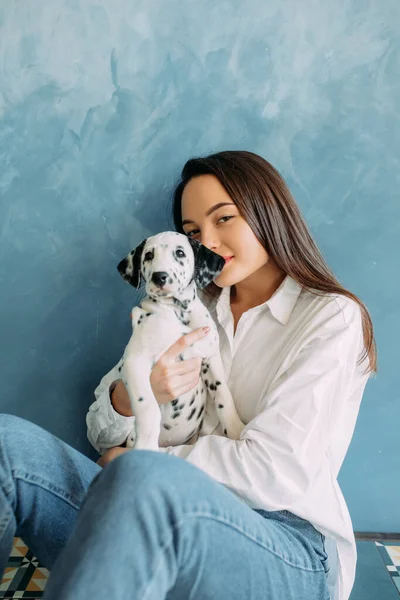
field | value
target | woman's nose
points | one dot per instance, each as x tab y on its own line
210	240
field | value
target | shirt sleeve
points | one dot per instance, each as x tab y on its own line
106	428
282	450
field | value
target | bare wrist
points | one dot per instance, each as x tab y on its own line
120	399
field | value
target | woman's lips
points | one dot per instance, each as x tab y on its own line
227	259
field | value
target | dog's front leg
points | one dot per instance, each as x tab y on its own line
214	377
218	388
136	374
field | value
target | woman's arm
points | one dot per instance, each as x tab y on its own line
110	420
120	399
285	448
107	427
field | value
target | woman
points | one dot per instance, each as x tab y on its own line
256	517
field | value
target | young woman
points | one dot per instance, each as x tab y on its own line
261	517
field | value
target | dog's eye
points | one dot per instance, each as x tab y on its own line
148	256
180	253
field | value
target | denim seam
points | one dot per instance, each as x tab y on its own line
159	562
187	516
254	539
229	524
42	483
7	489
4	522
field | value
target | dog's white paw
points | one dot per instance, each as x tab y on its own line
131	439
231	423
234	430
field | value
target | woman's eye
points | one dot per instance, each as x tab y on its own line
190	233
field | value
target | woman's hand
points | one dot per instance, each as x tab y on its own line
170	378
110	454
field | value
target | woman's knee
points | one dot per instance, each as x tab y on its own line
143	472
143	465
6	420
13	424
148	470
21	437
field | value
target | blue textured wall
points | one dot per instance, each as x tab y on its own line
101	103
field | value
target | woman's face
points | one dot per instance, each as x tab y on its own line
223	230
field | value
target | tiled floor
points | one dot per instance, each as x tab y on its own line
378	576
23	577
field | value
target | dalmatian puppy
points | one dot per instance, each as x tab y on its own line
173	267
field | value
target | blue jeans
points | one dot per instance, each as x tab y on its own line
148	526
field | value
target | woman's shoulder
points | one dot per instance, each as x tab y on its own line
332	307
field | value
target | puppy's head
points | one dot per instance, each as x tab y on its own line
168	262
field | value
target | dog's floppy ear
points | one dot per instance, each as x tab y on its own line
129	267
207	264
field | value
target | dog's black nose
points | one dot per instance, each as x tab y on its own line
159	278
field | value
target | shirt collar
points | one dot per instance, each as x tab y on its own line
281	303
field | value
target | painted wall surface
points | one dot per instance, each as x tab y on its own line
102	102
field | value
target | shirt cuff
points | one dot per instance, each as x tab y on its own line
107	428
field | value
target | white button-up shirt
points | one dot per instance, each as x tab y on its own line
292	370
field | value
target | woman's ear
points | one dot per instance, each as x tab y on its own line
207	264
129	267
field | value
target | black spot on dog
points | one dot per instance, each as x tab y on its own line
119	369
200	412
220	406
217	383
189	437
192	400
181	406
148	314
124	264
140	399
225	432
175	415
213	387
183	304
191	414
168	427
206	382
174	402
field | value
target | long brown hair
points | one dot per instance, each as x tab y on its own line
265	202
